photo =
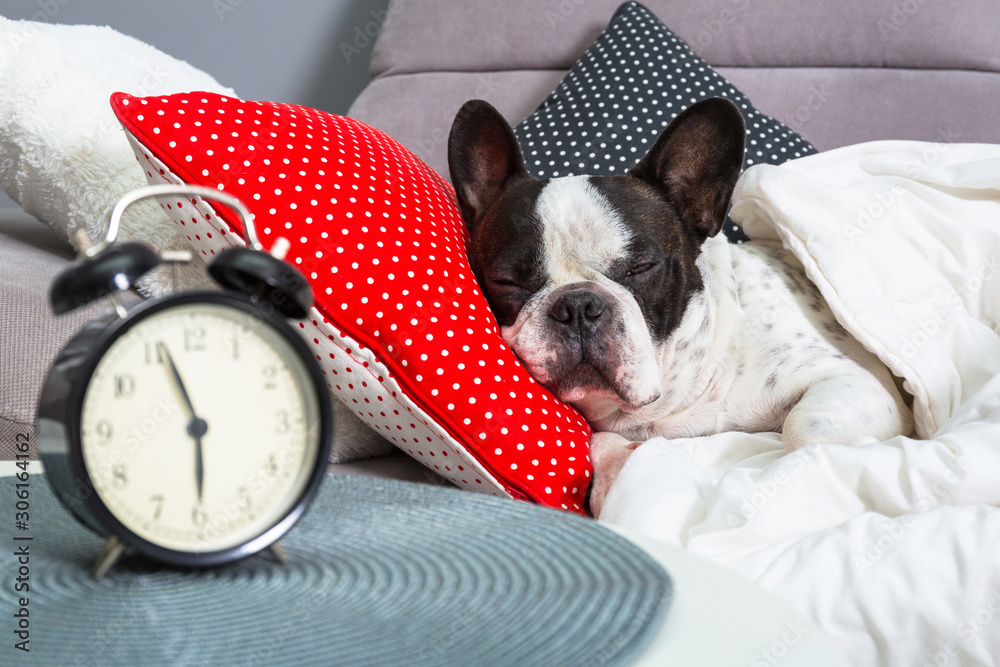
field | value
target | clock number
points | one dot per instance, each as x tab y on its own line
272	465
283	424
194	339
157	500
242	333
124	385
234	344
199	517
103	430
270	372
153	353
119	477
243	498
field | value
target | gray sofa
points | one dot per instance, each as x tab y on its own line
837	72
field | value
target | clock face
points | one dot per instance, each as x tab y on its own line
200	427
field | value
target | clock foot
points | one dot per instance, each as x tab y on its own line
278	551
110	553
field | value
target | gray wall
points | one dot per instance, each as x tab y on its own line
310	52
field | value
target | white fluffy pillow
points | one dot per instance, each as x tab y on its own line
63	155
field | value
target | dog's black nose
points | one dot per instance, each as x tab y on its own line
580	310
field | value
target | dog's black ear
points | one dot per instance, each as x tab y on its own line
696	161
483	156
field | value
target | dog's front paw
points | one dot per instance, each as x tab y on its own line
608	453
803	428
846	410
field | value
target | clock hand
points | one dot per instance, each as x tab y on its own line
176	377
197	427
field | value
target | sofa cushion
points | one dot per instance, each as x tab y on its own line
551	34
622	93
839	73
400	328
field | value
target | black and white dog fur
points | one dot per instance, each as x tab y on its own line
620	295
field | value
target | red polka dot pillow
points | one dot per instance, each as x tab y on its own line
400	328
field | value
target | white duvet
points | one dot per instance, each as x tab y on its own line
892	549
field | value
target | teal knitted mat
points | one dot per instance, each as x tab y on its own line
380	572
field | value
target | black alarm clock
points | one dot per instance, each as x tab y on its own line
193	428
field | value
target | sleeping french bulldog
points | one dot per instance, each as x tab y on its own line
620	296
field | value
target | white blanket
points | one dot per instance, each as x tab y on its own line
892	549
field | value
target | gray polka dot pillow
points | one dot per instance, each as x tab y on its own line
621	94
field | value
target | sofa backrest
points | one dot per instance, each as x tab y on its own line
838	72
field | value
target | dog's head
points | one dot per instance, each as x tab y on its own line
588	276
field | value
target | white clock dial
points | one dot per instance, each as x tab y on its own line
199	427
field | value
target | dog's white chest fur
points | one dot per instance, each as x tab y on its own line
759	350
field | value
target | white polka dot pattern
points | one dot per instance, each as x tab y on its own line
621	94
400	329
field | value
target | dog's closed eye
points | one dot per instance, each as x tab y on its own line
639	269
507	284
